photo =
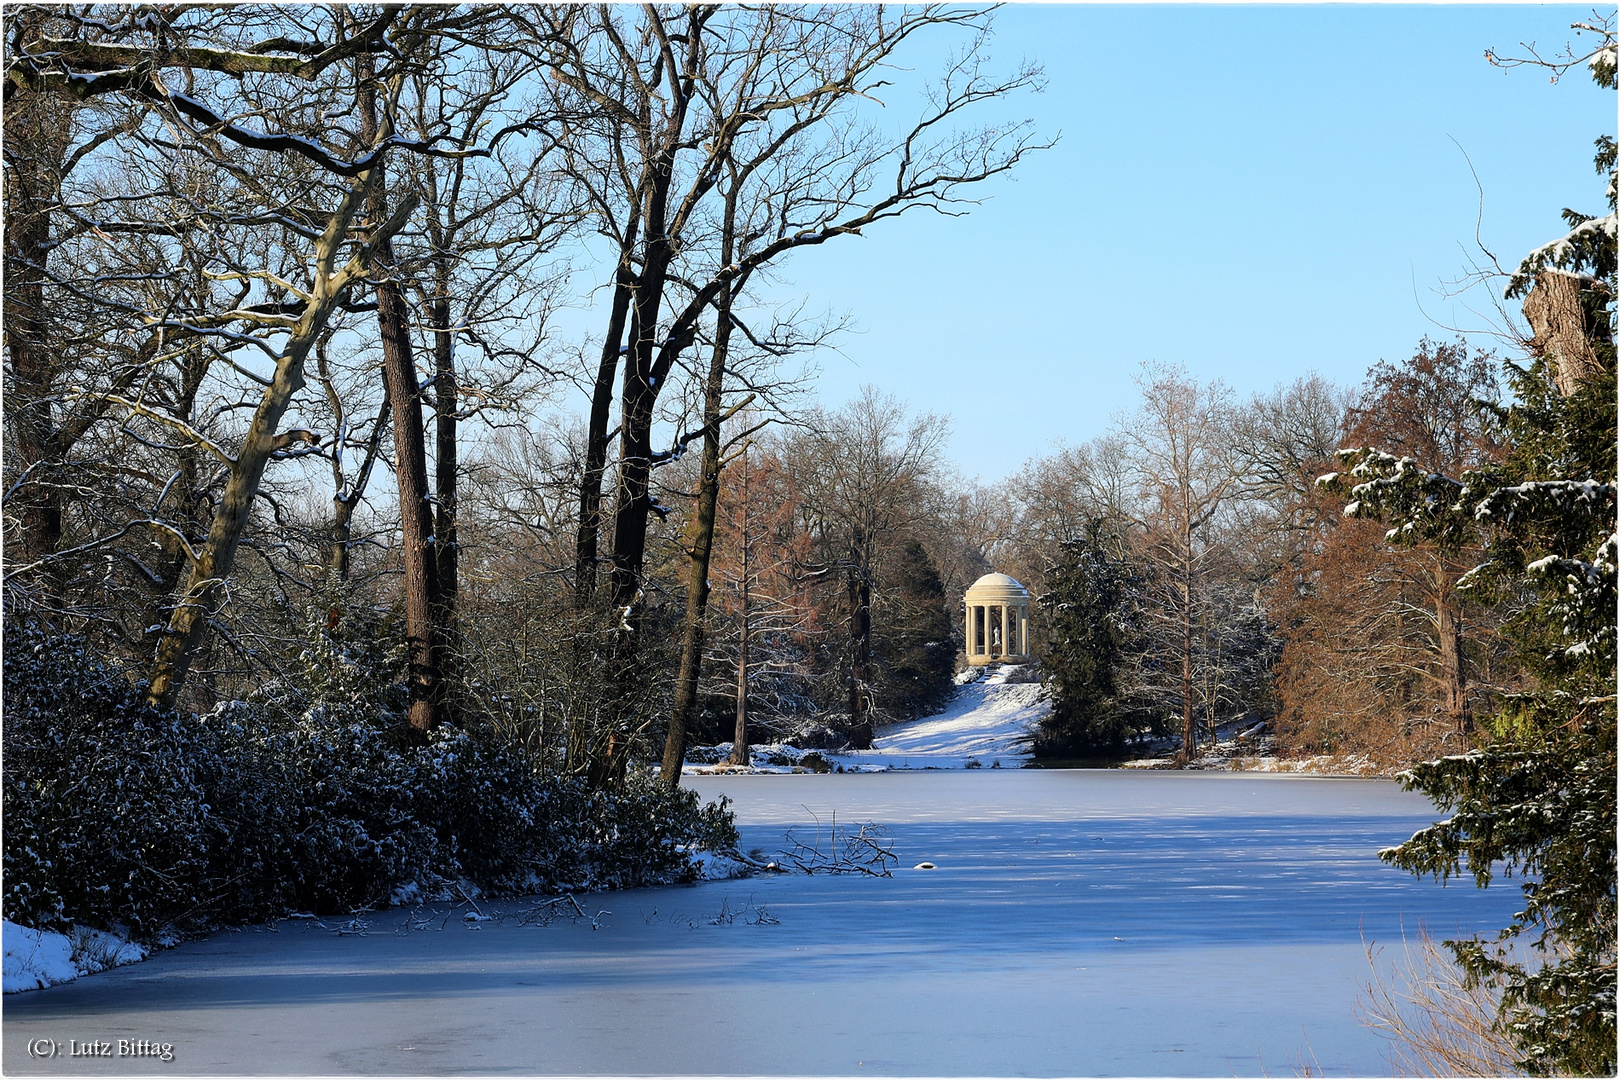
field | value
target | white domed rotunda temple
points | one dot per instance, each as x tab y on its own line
997	609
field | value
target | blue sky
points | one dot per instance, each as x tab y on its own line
1252	192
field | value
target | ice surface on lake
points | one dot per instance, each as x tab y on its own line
1077	923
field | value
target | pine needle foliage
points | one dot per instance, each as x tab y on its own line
1086	616
918	656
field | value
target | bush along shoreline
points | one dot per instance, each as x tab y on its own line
303	798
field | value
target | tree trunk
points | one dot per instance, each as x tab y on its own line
699	547
858	582
1453	673
36	129
632	507
1189	735
640	390
739	739
1564	329
640	395
446	462
596	438
190	616
580	750
410	468
416	516
700	538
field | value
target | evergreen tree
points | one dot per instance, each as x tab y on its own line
1537	798
917	650
1085	612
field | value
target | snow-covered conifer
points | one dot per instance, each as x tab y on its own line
1536	798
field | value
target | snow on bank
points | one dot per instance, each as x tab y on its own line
1317	765
762	758
1255	750
35	959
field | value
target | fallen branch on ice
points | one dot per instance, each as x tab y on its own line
867	849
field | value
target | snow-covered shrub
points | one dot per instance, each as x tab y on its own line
353	811
322	795
323	812
708	755
97	950
357	811
106	799
305	797
814	736
647	832
512	828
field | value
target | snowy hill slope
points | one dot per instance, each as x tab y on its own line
987	721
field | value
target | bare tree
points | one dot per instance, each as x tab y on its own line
1180	451
1067	496
680	99
863	475
1426	411
240	113
475	264
767	625
1285	439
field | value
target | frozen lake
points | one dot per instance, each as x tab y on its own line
1078	923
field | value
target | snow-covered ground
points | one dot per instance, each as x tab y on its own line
1080	922
988	724
35	959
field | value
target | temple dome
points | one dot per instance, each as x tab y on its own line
995	589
